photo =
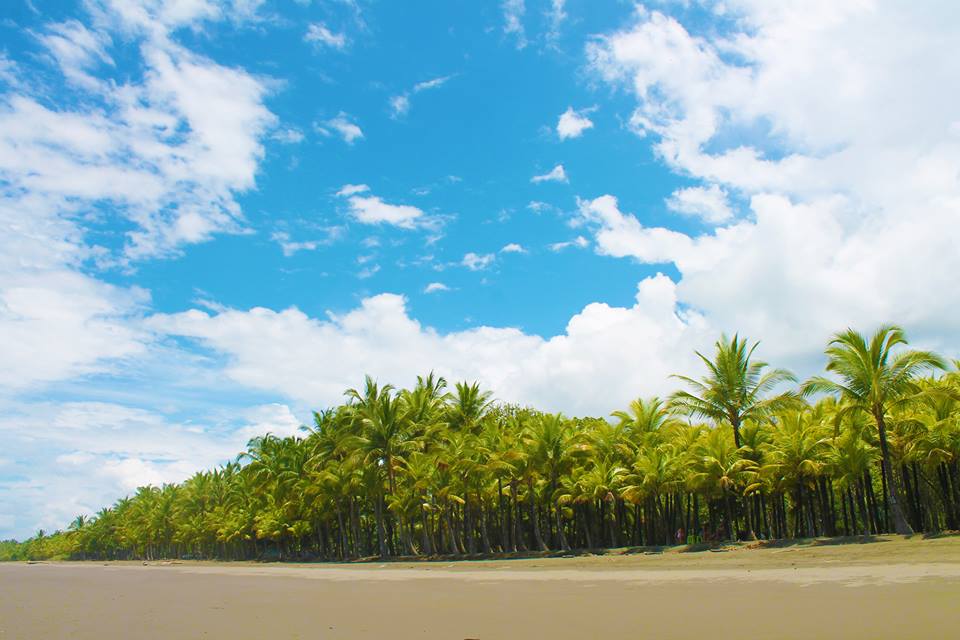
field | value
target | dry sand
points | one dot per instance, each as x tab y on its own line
891	588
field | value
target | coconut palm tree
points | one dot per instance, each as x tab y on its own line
720	472
735	388
873	378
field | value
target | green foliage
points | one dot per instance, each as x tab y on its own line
427	471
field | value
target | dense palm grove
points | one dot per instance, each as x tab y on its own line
430	471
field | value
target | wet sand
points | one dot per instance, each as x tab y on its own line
890	588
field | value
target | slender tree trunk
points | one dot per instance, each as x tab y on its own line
534	518
502	517
484	535
516	542
381	533
901	526
425	523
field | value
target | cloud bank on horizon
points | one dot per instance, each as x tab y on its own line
191	254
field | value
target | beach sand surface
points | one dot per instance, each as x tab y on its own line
889	588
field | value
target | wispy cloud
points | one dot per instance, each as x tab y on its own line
343	124
580	242
352	189
556	17
288	135
513	247
513	11
477	262
400	104
319	34
435	287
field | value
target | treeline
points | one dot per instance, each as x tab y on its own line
743	452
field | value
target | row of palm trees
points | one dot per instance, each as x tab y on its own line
743	452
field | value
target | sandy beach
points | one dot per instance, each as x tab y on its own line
890	588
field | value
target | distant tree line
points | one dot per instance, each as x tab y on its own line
744	452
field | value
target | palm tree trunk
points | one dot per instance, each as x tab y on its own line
900	524
516	541
728	514
381	533
535	520
502	516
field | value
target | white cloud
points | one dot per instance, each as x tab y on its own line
352	189
318	33
368	271
348	130
162	152
513	247
847	160
169	150
539	207
400	104
435	287
97	452
556	16
290	247
513	11
707	203
579	242
77	50
623	235
589	369
373	210
288	135
557	174
431	84
477	262
572	123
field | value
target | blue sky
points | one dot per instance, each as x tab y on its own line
215	215
462	153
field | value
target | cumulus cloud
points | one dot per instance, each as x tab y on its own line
557	174
370	209
319	34
513	247
836	183
572	123
588	369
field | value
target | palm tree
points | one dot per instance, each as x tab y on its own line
796	455
425	471
385	435
872	379
719	471
733	390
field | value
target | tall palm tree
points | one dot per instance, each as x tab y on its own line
734	388
872	378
